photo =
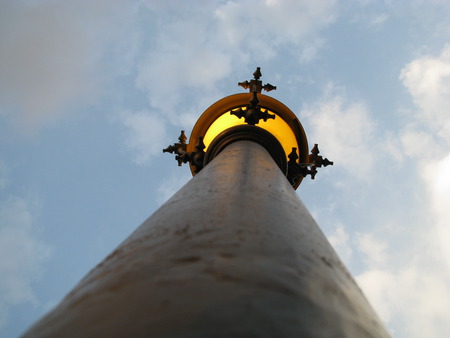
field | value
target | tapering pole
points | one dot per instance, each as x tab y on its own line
234	253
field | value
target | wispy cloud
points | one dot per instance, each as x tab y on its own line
400	255
182	58
415	291
379	19
145	134
340	241
53	55
260	30
345	131
428	81
23	255
184	54
411	283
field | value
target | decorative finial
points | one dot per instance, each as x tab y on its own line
253	113
296	170
256	85
182	156
179	148
257	74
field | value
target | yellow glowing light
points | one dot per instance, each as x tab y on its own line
277	127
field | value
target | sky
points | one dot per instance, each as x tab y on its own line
92	90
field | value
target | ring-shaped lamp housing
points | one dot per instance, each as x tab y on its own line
285	127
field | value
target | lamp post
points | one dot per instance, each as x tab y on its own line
234	253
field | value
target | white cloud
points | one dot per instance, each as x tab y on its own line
260	29
379	19
417	300
373	248
345	131
377	285
372	18
169	74
22	256
183	57
145	134
54	54
437	178
401	254
407	278
428	81
411	298
340	241
419	144
198	46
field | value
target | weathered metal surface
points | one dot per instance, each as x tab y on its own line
233	254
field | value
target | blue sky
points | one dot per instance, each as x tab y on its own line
91	91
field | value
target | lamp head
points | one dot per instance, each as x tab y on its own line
255	117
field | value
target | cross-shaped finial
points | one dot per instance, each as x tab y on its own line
296	170
253	113
256	85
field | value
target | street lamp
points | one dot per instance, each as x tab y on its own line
234	253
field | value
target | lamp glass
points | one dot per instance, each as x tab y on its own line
277	127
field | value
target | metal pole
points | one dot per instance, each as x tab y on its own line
234	253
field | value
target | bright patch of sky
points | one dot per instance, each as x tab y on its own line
90	91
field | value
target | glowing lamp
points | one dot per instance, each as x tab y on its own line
256	117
